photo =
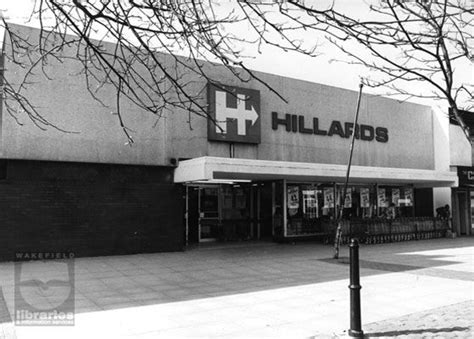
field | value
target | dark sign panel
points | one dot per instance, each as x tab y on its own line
234	114
466	176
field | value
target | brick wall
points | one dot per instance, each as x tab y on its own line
90	209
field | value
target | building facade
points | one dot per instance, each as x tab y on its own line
461	162
264	169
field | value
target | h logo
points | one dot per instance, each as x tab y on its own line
234	114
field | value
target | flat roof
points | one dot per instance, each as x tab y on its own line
216	169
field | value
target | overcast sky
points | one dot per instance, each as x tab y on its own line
319	69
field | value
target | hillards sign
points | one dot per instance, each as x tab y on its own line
300	124
234	114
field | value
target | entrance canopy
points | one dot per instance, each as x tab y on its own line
214	169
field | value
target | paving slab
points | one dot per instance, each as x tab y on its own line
451	321
412	289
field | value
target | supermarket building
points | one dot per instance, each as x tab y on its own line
268	169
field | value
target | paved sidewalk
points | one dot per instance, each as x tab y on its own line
452	321
261	290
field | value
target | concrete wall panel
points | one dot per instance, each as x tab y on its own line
178	134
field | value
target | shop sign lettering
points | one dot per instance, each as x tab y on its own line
466	176
300	124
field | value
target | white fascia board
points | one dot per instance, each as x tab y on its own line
192	170
208	168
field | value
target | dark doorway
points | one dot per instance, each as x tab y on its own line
229	212
423	202
266	210
463	208
193	215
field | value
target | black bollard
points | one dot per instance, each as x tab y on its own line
356	324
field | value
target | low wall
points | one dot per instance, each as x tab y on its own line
88	209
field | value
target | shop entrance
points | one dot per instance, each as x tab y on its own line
463	212
208	207
229	212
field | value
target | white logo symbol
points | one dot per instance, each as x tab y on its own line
240	114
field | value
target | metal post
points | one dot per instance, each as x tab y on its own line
259	221
186	215
337	240
356	325
285	210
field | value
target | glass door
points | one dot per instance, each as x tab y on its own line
208	213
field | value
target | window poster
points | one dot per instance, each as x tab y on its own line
408	193
382	198
310	203
364	197
310	198
328	198
348	200
396	196
293	197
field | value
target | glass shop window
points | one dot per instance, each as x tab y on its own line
406	202
394	202
359	202
310	203
328	199
367	202
309	206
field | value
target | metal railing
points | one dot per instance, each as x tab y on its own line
377	231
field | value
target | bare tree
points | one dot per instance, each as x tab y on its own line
415	43
403	42
409	42
128	45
